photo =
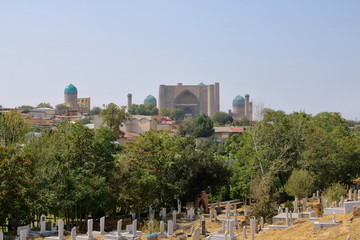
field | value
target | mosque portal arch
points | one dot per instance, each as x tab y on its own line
188	102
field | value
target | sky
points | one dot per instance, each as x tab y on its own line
287	55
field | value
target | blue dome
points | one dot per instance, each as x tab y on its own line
70	89
150	99
239	101
201	84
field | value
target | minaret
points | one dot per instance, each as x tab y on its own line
129	103
247	106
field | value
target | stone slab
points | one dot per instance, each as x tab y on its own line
320	225
271	227
334	210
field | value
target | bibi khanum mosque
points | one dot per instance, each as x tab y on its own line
198	99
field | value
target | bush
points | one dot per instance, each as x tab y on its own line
335	191
288	204
300	183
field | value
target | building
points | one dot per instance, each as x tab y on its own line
242	108
193	99
74	103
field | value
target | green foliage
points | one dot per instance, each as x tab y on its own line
335	191
288	204
163	167
243	122
44	105
177	114
222	118
61	106
163	111
12	128
84	121
201	126
25	108
114	117
147	110
300	183
95	111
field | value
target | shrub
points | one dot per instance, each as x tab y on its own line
335	191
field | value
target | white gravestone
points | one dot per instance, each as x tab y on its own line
162	228
73	233
1	236
42	223
23	234
191	213
118	227
287	216
61	229
174	219
170	229
179	206
228	210
102	225
350	194
262	223
235	216
163	214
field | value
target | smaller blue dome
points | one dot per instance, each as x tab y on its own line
239	101
150	99
201	84
70	89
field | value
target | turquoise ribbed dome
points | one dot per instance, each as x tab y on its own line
150	99
201	84
70	89
239	101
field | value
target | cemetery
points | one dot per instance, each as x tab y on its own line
224	221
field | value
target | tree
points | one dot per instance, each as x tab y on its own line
163	111
300	183
147	110
177	114
44	105
222	118
61	106
26	108
203	126
95	111
13	129
114	117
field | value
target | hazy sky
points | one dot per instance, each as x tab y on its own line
288	55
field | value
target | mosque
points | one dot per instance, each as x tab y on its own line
198	99
74	103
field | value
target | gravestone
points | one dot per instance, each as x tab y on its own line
102	225
262	223
1	236
151	226
170	229
23	234
162	228
42	223
73	233
191	213
163	214
318	194
244	232
179	206
118	227
89	234
228	210
350	194
174	219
